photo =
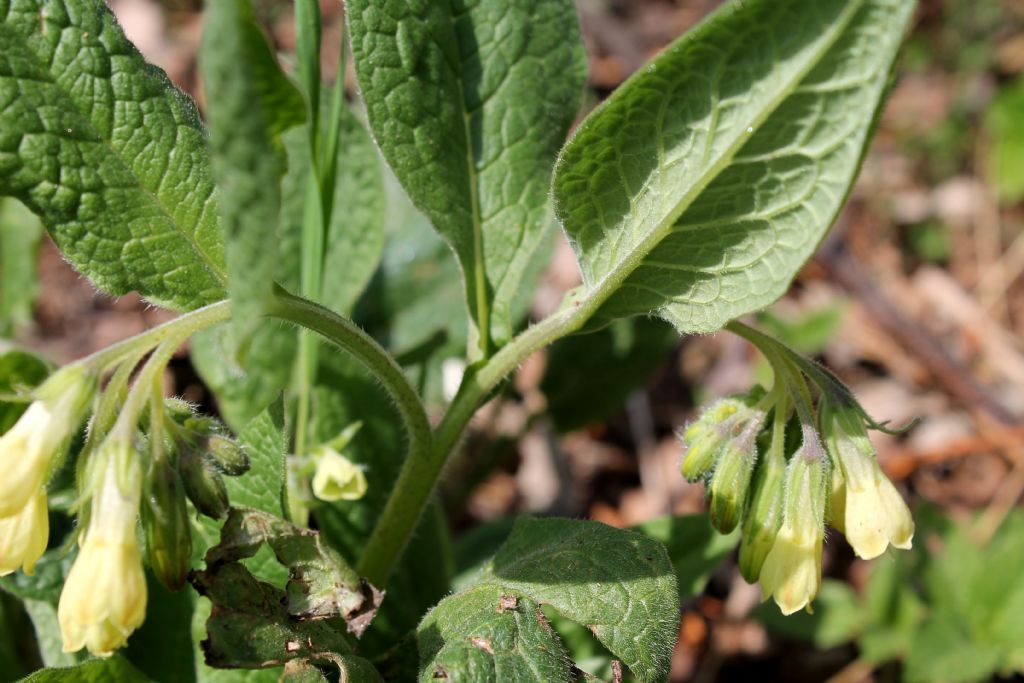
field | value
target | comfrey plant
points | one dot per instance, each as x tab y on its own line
693	194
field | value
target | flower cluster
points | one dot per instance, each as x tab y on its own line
134	463
781	465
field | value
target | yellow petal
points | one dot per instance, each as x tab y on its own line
23	537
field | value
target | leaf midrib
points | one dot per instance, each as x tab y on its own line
483	322
214	270
608	284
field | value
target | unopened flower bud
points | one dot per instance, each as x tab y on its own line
104	596
23	537
178	410
167	528
731	479
764	516
203	486
337	477
791	572
227	456
705	437
866	506
33	447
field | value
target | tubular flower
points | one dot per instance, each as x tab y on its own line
23	536
337	477
791	572
32	447
104	597
866	506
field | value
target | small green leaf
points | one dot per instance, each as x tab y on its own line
107	153
617	583
94	671
253	104
700	187
262	487
469	102
20	232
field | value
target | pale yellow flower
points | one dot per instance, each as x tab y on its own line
866	506
104	597
791	572
30	449
23	536
337	477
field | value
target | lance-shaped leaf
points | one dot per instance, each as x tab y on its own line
355	242
617	583
254	624
251	103
470	101
108	153
703	184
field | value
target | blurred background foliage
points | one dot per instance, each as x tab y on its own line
916	300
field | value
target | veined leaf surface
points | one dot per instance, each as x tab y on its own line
470	101
703	184
617	583
108	153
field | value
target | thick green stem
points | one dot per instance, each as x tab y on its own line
347	336
419	475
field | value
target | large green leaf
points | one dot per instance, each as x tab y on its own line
703	184
469	101
19	250
108	153
617	583
252	104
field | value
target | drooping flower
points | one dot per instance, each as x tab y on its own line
791	572
337	477
30	450
865	507
23	536
104	596
764	516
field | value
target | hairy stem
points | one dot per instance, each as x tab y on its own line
182	327
346	335
419	475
